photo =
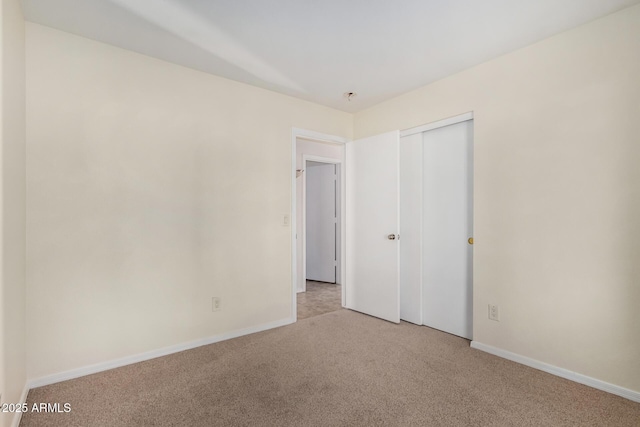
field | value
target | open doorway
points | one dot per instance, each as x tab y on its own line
319	227
321	222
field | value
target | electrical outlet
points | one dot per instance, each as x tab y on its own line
286	220
494	312
216	306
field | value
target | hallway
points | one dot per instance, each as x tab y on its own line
320	298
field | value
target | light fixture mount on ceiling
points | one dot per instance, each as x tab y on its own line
349	95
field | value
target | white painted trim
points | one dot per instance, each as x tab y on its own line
128	360
318	159
560	372
294	228
440	123
18	415
343	226
317	136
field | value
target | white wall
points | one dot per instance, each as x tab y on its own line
557	193
12	230
151	188
311	148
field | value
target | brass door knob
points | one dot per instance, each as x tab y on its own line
470	240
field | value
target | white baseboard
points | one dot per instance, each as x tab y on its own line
560	372
18	415
104	366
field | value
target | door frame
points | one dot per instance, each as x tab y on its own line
437	124
326	160
297	133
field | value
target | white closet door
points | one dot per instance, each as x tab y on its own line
447	226
372	185
411	228
321	222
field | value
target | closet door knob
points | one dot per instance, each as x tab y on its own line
391	237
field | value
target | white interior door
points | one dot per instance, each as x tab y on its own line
321	221
372	191
447	226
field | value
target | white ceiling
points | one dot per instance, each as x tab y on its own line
319	49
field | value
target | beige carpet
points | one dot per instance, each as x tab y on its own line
320	298
337	369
